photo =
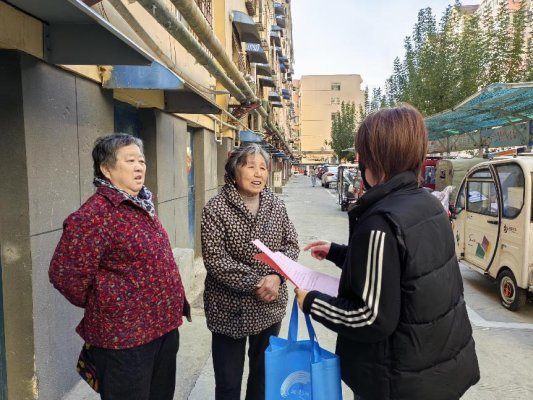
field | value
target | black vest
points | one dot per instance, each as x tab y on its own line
431	353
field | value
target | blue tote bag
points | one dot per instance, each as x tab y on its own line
301	369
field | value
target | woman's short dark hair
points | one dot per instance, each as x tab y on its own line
392	140
238	157
106	147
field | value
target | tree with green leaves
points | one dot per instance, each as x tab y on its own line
528	65
470	57
343	130
518	50
445	63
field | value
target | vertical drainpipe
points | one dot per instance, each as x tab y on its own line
195	18
167	19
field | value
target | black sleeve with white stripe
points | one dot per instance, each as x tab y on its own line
337	254
368	307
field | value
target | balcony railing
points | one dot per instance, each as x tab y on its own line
206	6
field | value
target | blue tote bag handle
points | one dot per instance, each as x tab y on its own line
295	367
293	330
325	366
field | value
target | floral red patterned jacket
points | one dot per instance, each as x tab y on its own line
115	261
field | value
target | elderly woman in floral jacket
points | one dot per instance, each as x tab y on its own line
114	260
244	298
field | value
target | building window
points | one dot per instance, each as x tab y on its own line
335	100
206	7
335	86
333	115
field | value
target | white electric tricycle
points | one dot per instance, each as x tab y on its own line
493	226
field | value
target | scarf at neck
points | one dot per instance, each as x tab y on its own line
143	199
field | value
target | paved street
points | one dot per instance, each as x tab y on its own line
504	339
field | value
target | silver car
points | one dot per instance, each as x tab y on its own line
329	177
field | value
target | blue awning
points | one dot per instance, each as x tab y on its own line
286	94
282	68
279	9
274	96
246	27
497	104
256	53
267	81
276	104
269	148
276	28
275	38
76	35
263	69
280	20
250	137
180	97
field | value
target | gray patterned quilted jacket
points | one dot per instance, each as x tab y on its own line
228	228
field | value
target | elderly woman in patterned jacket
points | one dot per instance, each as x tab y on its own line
244	298
114	260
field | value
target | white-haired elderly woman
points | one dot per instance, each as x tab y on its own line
114	260
244	299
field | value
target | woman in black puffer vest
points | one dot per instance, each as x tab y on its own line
403	330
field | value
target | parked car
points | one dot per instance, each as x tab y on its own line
329	176
321	170
492	225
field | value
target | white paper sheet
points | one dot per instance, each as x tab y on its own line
299	275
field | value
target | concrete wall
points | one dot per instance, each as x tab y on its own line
15	232
63	116
205	150
51	135
165	146
222	155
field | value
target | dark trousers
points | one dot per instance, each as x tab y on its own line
146	372
228	363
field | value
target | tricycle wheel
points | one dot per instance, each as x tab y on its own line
511	296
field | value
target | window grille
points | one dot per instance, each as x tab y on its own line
206	6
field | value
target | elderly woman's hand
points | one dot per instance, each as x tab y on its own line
268	288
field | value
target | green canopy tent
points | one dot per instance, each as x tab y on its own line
496	105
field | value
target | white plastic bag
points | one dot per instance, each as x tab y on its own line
444	197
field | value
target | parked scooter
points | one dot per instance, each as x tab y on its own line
348	185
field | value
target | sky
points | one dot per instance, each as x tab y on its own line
355	36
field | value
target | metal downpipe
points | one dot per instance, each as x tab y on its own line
146	38
195	18
164	16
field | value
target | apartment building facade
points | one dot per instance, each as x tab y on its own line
321	97
192	78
